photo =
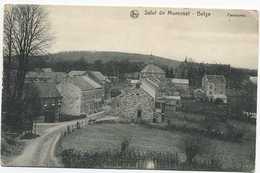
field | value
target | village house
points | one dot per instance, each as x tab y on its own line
135	105
102	80
152	71
150	98
81	96
165	106
150	86
182	86
166	96
50	102
98	77
47	77
214	87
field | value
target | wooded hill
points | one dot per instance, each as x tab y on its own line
105	56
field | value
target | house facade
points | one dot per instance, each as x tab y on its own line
135	105
50	102
166	106
214	87
182	86
81	96
102	80
152	99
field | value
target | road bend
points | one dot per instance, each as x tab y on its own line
40	152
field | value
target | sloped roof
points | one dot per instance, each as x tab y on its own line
98	75
55	76
77	73
151	68
92	82
84	83
215	78
81	83
180	81
47	90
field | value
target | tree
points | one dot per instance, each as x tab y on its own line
30	37
8	37
26	34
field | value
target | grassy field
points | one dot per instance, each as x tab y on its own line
109	136
102	137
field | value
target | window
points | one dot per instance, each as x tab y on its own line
210	93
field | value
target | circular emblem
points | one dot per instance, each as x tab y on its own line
134	13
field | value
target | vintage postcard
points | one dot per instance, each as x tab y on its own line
129	88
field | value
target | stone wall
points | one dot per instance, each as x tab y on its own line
133	100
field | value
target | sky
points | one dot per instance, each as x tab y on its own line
224	36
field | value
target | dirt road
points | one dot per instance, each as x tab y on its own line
40	152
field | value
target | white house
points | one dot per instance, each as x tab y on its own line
214	87
81	95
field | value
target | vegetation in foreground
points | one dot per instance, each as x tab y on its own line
10	147
166	149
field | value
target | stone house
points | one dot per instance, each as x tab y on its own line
102	80
164	94
135	105
152	87
214	87
81	96
166	106
182	86
152	71
50	101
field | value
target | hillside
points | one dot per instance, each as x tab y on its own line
91	56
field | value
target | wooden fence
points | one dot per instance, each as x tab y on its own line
133	160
